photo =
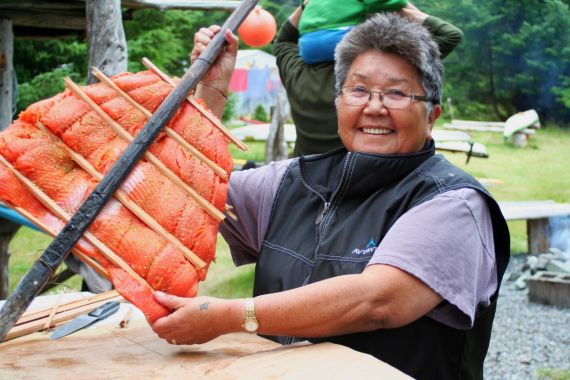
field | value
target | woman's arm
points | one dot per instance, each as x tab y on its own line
446	35
380	297
214	87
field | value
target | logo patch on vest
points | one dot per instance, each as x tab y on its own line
370	248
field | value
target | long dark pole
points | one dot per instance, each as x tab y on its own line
40	273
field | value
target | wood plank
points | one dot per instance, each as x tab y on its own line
479	122
225	5
50	20
533	209
42	5
135	352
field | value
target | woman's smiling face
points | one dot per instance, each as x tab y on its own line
373	128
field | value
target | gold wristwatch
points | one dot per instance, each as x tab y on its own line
250	323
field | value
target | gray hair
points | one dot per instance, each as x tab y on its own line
394	34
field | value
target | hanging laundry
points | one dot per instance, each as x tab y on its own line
238	83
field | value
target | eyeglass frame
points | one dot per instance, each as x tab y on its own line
412	96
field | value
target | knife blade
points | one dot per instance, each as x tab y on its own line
83	321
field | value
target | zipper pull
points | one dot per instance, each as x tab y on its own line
322	215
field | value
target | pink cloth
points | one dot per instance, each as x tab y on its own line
238	83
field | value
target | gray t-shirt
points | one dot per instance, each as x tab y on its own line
446	242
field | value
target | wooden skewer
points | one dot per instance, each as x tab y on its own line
198	106
122	197
80	255
53	310
214	212
231	214
38	325
169	131
42	313
124	323
62	214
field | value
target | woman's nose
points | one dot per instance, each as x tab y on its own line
375	104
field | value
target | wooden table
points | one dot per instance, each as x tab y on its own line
536	214
109	352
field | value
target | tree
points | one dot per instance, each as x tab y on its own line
515	56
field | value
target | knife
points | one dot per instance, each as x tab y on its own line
83	321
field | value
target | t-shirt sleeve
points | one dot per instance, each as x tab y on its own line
251	194
447	243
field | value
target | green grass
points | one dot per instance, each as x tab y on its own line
25	248
553	374
537	172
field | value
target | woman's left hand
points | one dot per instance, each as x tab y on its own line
197	320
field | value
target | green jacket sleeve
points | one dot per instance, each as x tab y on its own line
444	34
311	94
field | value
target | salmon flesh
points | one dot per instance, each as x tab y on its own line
39	145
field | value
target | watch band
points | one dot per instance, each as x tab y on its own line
250	323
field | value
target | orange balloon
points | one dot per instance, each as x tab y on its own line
258	29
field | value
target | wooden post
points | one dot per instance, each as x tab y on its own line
6	72
538	233
276	146
520	140
105	37
7	231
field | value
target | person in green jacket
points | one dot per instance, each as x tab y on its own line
310	88
325	22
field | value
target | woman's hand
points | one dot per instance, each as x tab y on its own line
214	87
413	14
221	71
197	320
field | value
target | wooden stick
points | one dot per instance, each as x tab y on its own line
38	325
169	131
198	106
126	318
124	198
203	203
62	214
43	312
80	255
39	274
53	310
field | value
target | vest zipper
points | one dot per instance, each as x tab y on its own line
327	205
322	214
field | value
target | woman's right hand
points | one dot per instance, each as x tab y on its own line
221	71
213	88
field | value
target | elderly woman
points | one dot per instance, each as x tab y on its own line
381	246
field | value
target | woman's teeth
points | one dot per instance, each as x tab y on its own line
377	131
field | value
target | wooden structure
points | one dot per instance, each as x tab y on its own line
101	21
536	214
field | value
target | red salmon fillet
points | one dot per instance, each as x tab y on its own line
43	158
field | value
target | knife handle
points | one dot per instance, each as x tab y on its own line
105	310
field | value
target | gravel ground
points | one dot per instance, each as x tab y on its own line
527	337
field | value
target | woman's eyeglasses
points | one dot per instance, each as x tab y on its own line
390	98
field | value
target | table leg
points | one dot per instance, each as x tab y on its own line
7	231
538	233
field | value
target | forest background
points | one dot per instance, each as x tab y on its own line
515	55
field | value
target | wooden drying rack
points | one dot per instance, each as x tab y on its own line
120	195
48	317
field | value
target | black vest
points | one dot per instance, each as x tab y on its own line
332	210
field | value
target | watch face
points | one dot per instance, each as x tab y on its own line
251	325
